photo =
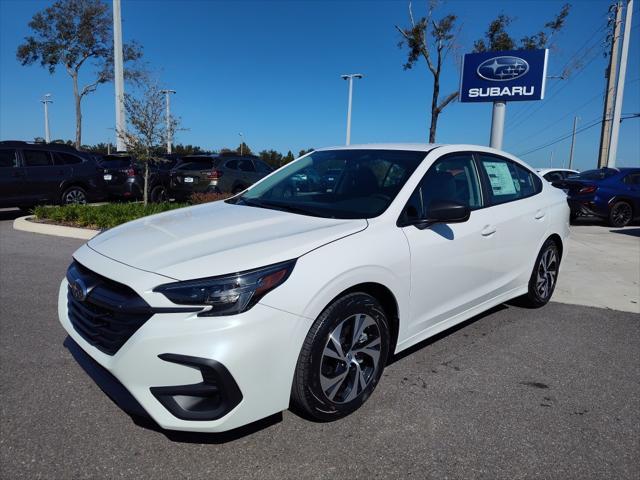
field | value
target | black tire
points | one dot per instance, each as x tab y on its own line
326	388
74	196
621	214
544	277
158	194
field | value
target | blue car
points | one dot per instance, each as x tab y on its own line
612	194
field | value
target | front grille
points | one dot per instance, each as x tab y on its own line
109	314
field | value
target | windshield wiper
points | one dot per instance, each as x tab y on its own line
278	206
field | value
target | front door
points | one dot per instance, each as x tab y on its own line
452	265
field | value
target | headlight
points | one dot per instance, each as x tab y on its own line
228	294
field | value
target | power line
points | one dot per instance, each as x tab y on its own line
586	127
572	112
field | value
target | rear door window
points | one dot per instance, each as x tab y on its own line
246	166
262	167
37	158
508	181
632	179
61	158
8	158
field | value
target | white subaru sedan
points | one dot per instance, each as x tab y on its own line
300	289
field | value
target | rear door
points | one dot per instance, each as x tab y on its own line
517	218
43	177
248	171
12	178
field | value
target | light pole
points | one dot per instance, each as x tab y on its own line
573	141
118	73
167	94
46	101
350	78
241	142
617	108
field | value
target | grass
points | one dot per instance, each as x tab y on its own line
100	216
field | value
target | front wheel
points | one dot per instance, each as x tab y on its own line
620	214
342	358
74	196
544	276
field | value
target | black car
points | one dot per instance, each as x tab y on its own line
216	174
123	176
39	173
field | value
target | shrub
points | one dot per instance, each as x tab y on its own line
100	216
197	198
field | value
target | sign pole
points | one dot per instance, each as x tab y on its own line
497	124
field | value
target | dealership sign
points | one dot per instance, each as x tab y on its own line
503	76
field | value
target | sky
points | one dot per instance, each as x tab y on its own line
271	70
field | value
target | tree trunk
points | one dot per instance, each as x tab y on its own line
146	180
77	98
434	109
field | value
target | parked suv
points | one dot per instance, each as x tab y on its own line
216	173
37	173
123	176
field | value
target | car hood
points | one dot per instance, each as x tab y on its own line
218	238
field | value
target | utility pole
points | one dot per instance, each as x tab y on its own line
167	94
350	78
609	95
46	101
118	71
241	143
573	141
551	160
617	109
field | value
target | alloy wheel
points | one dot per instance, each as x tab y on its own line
75	196
350	359
547	273
621	213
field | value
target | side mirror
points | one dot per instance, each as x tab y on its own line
440	211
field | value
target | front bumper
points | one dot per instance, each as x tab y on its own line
258	349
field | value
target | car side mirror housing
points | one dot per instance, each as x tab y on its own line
440	211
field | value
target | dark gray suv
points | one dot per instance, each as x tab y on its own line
38	173
216	174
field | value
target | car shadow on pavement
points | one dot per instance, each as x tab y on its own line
445	333
11	214
634	232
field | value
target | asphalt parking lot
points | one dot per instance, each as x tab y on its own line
514	393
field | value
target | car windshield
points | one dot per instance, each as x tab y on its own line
336	183
596	174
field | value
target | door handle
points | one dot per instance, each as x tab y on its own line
539	215
488	230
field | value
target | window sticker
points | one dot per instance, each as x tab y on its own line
500	178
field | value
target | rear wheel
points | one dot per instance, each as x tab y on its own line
544	276
74	196
620	214
342	358
158	194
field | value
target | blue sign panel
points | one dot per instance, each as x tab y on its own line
511	76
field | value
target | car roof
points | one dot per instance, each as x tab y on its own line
542	171
418	147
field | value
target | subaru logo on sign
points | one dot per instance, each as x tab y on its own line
501	69
78	290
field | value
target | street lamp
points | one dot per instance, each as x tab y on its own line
350	78
241	142
46	101
168	117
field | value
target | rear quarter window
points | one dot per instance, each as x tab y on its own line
8	158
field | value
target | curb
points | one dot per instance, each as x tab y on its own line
24	224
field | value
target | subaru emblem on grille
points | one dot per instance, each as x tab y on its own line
78	290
